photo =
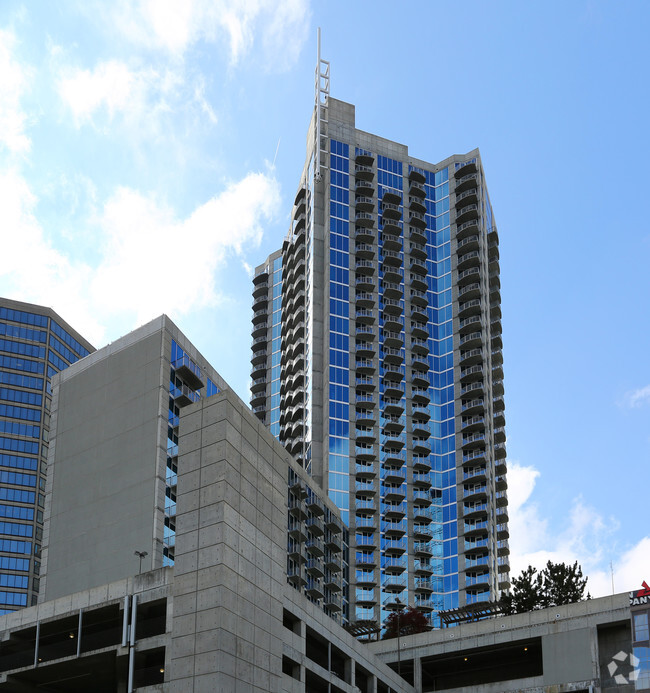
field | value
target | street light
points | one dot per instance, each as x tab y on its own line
400	606
140	555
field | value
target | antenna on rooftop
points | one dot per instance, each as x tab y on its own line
322	92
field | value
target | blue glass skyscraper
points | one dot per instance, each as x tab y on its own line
388	386
35	344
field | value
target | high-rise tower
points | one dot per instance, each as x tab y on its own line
377	362
35	344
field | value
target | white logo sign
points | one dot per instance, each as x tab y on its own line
617	661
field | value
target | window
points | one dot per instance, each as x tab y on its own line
641	627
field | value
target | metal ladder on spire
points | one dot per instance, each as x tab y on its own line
321	130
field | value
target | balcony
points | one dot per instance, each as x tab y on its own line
394	547
476	474
392	475
395	584
392	306
466	212
473	440
393	493
469	291
392	196
466	197
364	489
478	581
471	339
189	372
314	567
364	384
184	395
364	234
394	566
417	189
362	172
469	276
365	332
422	480
392	289
363	266
470	357
363	299
364	187
393	511
421	464
394	405
420	395
394	529
467	228
391	241
365	366
421	497
365	469
471	373
365	251
469	308
417	219
364	218
390	210
365	506
417	204
364	203
364	157
418	282
475	511
422	567
365	452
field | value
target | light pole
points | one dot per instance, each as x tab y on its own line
140	555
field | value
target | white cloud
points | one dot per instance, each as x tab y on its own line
149	262
586	537
114	88
14	82
279	27
637	398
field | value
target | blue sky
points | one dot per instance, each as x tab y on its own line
150	152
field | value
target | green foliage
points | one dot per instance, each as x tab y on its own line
557	584
411	621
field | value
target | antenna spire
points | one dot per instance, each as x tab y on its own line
322	92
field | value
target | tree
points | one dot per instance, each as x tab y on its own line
557	584
411	621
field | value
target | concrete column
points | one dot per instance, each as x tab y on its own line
349	671
417	674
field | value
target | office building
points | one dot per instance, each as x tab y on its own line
35	344
377	362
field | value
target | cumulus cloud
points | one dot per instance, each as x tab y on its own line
14	81
636	398
279	27
113	88
149	261
587	537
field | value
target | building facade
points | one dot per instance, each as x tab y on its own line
377	363
115	428
35	345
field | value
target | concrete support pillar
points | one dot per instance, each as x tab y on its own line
372	684
417	674
349	672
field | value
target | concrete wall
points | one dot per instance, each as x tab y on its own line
106	461
230	567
